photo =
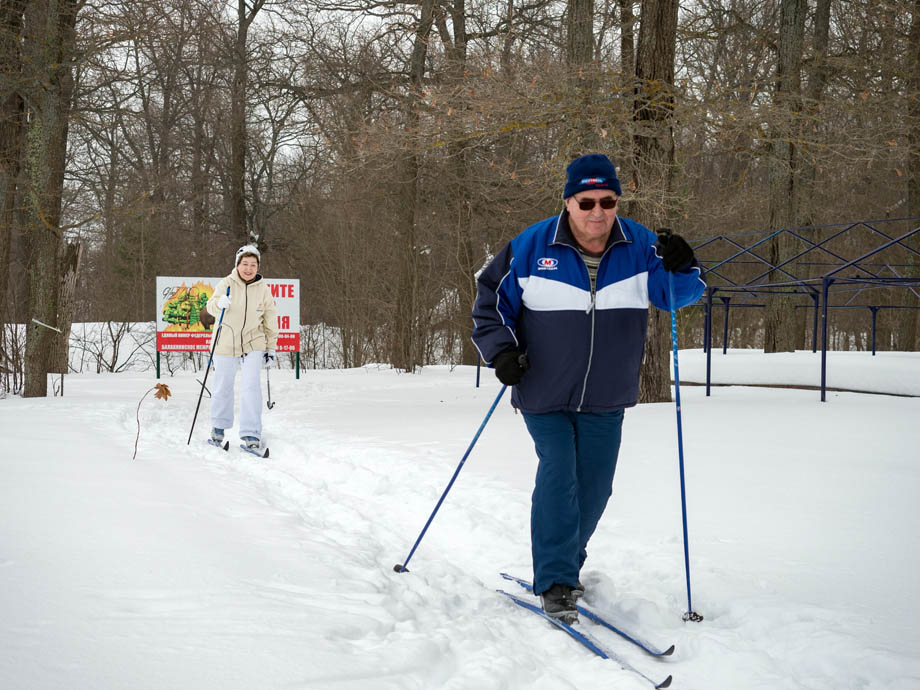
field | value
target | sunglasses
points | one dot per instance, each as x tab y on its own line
607	203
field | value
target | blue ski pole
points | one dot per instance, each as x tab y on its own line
206	371
401	567
690	615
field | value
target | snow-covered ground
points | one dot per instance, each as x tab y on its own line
895	373
193	568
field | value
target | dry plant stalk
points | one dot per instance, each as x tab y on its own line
162	392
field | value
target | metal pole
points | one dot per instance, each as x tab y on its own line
708	338
401	567
690	615
707	320
207	370
825	288
874	311
814	325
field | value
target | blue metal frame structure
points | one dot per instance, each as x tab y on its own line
840	276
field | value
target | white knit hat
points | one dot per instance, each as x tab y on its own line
248	249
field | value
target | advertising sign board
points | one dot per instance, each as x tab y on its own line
180	301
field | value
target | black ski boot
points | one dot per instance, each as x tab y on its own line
558	602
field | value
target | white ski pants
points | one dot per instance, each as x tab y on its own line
222	395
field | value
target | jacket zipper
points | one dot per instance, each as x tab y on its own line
592	311
245	312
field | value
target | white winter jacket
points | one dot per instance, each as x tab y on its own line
250	322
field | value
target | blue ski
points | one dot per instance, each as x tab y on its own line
599	620
223	445
585	639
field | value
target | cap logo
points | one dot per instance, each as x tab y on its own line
593	180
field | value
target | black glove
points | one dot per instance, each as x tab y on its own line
676	254
510	366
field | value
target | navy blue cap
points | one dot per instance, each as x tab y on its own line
593	171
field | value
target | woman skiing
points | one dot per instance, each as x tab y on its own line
246	339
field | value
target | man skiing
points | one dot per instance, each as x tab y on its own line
561	314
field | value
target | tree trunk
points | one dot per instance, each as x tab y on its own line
42	213
238	135
627	70
910	318
653	167
817	81
198	182
238	130
50	44
12	134
580	34
508	39
70	267
627	40
579	59
405	354
779	315
406	351
468	259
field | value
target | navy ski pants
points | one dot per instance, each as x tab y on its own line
577	454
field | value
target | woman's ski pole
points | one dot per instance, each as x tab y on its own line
206	371
401	567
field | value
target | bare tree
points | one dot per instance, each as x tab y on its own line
910	321
785	164
70	268
818	74
12	133
245	14
49	51
628	71
580	33
406	351
653	166
389	150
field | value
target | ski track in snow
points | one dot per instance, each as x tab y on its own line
441	625
358	462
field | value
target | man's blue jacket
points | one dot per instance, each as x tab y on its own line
585	348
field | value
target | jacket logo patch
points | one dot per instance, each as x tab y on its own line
547	264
